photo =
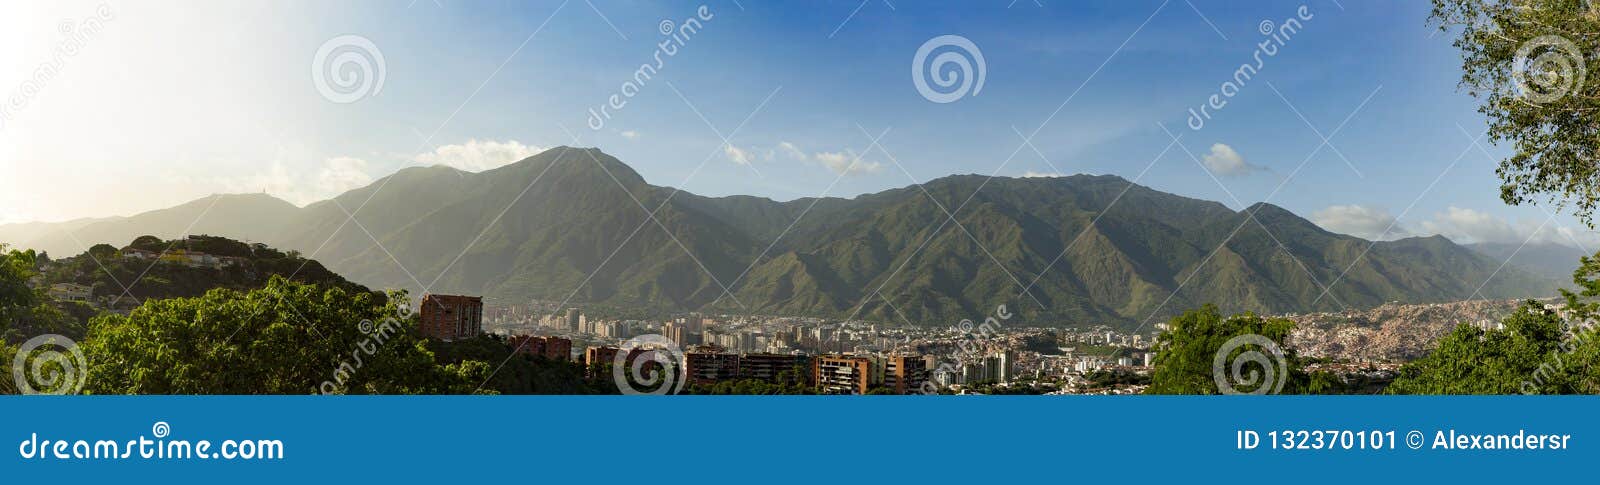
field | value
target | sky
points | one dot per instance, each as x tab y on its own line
1353	119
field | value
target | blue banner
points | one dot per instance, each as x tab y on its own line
992	439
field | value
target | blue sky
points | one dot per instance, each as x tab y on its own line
172	102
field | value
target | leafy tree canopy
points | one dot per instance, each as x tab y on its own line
1187	350
284	338
1531	63
1536	350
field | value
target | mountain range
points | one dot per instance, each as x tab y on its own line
574	223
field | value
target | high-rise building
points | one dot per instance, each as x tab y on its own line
842	375
691	324
998	367
574	317
766	367
1008	365
599	359
904	374
552	348
676	333
451	317
599	355
747	341
711	367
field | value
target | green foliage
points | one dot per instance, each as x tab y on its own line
107	272
1471	360
520	373
1525	60
26	312
284	338
1538	351
1185	353
16	267
1108	378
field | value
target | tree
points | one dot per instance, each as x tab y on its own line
519	373
1537	350
25	311
1186	355
103	252
1527	61
284	338
1471	360
16	267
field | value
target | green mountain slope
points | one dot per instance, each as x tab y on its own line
1090	249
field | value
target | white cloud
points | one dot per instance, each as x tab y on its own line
1365	222
738	155
1467	225
478	155
338	175
341	174
1033	174
1224	160
841	163
846	163
1464	226
335	176
1470	226
630	134
791	151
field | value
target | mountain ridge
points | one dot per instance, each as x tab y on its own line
576	223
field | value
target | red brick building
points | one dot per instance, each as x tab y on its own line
766	367
552	348
598	359
841	374
451	317
905	374
707	368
